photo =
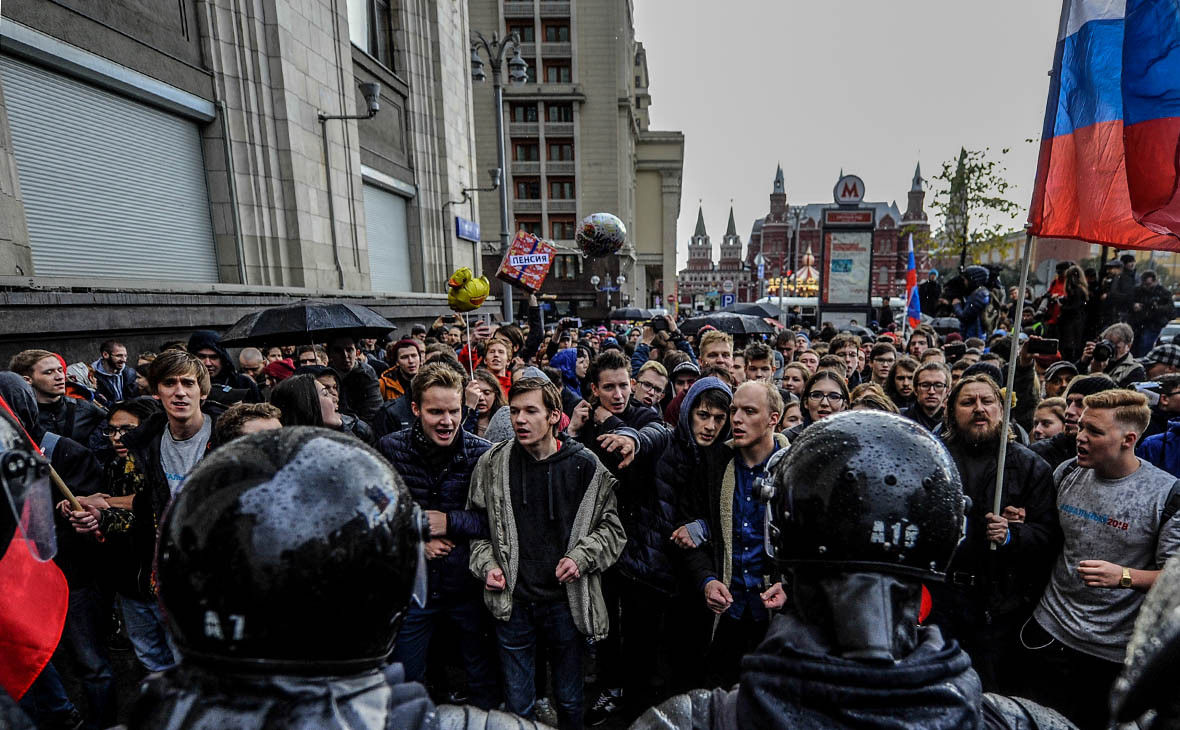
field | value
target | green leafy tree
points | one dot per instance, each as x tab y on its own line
971	198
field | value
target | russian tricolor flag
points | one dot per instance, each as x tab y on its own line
1109	168
913	307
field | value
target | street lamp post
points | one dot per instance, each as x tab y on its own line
517	75
595	280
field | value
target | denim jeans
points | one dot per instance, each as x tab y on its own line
46	699
518	636
84	636
470	620
145	629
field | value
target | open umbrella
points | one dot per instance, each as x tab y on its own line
306	322
630	314
758	309
734	324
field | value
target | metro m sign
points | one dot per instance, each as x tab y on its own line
849	190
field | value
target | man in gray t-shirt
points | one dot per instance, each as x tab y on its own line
1112	509
179	457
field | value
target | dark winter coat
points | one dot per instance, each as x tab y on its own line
190	698
1071	322
929	292
360	394
1155	308
645	513
999	587
440	480
1163	449
72	418
149	504
794	681
566	362
970	313
1056	450
916	414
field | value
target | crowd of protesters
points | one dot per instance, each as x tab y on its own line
596	533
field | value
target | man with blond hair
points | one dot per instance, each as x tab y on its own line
1118	518
716	350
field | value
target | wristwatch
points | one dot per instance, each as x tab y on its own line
1125	581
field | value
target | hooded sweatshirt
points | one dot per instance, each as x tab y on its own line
228	375
566	361
1163	449
685	458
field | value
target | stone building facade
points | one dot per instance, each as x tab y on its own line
578	142
165	166
786	234
703	281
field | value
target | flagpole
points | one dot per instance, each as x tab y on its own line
1013	354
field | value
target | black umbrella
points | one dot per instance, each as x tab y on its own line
734	324
758	309
629	313
305	323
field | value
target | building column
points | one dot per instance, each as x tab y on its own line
670	191
15	253
274	64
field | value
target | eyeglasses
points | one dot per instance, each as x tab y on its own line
931	386
119	431
649	387
817	396
884	360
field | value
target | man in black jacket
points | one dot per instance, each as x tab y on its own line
629	438
359	393
56	412
1152	310
848	649
990	593
435	457
206	345
932	381
728	568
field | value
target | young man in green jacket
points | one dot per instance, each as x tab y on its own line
544	578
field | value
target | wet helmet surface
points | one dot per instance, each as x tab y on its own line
1148	681
867	491
289	550
600	234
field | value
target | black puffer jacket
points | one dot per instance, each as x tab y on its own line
1056	450
789	682
645	513
439	479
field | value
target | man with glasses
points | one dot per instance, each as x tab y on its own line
650	383
881	359
311	355
932	382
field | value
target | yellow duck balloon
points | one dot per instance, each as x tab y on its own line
467	292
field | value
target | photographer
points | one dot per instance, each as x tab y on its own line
663	323
1112	355
1150	312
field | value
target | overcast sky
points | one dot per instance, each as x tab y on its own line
871	87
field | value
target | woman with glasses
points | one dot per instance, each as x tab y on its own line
824	393
122	480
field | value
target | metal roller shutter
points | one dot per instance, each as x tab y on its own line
389	245
112	188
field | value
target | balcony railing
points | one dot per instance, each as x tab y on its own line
554	10
559	167
523	8
526	206
523	129
525	168
563	206
555	50
528	49
559	129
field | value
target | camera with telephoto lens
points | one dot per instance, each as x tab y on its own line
1104	351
